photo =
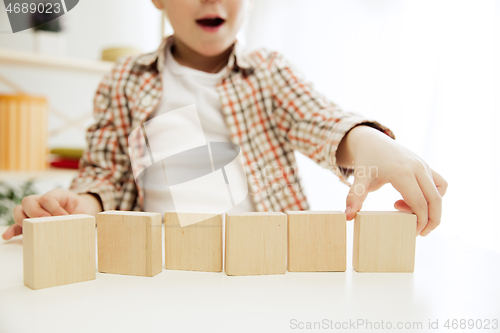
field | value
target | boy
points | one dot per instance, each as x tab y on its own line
260	103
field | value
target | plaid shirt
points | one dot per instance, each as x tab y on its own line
270	111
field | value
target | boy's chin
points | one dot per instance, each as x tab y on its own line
213	49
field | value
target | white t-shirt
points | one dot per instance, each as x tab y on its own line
184	86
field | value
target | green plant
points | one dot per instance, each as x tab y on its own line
11	196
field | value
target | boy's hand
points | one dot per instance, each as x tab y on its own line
377	160
53	203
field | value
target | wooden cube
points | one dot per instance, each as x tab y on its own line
384	242
316	241
256	243
58	250
129	243
195	247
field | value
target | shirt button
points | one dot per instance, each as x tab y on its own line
146	101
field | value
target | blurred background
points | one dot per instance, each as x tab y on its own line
427	69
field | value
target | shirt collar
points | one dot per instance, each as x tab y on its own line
236	58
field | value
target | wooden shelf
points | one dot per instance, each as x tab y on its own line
50	173
38	60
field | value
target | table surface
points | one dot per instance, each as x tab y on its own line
452	280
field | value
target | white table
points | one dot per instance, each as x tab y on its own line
452	280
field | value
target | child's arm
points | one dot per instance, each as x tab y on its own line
378	160
337	140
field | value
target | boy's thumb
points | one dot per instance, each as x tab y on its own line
357	195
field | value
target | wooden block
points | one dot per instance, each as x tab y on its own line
316	241
129	243
384	242
58	250
255	243
195	247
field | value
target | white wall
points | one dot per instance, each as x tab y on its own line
94	25
427	69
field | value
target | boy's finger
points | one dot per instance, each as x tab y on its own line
19	215
8	233
12	231
441	183
401	205
434	201
32	207
413	196
357	195
52	205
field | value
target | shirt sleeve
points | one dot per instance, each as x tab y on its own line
105	162
308	121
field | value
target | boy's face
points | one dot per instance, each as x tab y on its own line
208	27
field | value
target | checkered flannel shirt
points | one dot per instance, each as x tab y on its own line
270	111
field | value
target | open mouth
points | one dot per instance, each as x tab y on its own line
210	23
